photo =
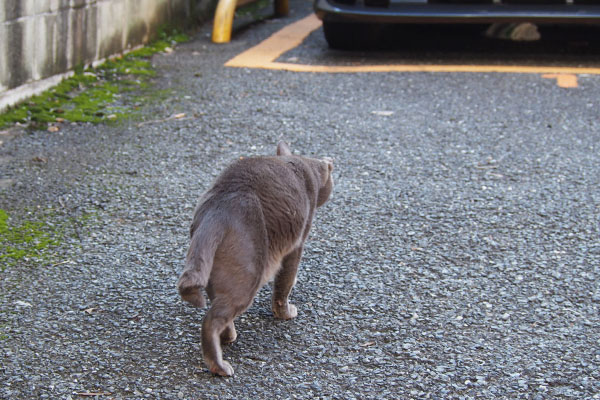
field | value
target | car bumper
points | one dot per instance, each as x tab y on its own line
397	12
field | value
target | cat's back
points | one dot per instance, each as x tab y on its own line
263	193
272	187
262	175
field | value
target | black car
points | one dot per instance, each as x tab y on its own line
352	23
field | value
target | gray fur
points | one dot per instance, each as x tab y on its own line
249	228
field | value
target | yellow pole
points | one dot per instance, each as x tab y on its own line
223	21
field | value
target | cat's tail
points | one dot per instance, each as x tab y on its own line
199	261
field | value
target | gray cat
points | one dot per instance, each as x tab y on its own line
248	228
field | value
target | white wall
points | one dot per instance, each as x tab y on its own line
41	40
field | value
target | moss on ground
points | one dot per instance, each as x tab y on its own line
25	240
32	240
94	94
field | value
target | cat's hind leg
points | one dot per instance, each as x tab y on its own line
230	296
283	284
215	322
229	334
235	278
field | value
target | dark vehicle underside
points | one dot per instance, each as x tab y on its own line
347	21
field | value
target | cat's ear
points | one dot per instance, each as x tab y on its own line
329	162
325	170
326	187
283	149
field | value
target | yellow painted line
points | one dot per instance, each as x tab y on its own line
563	80
264	54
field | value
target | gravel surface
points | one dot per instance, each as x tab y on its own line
458	258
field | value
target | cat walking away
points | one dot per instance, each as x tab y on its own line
249	228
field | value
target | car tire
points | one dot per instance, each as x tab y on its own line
351	36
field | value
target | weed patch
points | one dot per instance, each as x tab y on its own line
94	94
31	240
25	240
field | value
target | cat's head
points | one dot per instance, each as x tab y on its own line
323	168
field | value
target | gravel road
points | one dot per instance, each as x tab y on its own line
459	257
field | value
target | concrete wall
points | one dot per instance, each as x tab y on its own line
41	40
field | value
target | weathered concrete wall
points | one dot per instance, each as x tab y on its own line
42	39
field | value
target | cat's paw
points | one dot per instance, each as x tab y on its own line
287	312
224	369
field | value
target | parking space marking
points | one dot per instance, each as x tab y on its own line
265	54
563	80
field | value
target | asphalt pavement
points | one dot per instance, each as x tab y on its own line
458	258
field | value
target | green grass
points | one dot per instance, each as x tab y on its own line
94	94
26	240
30	239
